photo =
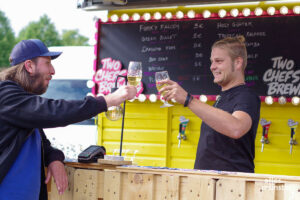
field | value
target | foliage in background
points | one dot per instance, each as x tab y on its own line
42	29
7	40
73	38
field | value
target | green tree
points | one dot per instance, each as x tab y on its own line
44	30
7	40
73	38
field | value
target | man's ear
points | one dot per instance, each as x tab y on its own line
238	62
29	66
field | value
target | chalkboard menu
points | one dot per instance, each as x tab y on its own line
183	48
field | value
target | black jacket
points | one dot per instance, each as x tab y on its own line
21	112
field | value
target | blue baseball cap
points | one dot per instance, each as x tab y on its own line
29	49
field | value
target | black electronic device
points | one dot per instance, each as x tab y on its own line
92	154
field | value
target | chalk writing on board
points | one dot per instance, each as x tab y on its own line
282	79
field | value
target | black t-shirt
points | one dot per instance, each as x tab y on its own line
219	152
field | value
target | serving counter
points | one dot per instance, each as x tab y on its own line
96	182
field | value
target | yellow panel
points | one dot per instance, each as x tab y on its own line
151	134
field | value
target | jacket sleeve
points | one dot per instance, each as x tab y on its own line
27	110
50	153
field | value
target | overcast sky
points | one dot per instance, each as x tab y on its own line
63	13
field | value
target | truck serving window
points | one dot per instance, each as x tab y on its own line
69	89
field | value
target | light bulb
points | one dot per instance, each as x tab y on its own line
125	17
246	12
271	10
90	84
206	14
142	98
169	15
234	12
203	98
153	98
191	14
179	15
136	17
296	10
295	101
157	16
114	18
114	113
222	13
147	16
282	100
258	11
269	100
284	10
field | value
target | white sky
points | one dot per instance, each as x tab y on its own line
63	13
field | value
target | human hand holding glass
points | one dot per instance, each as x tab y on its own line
160	76
134	73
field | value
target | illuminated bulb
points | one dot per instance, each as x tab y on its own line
90	84
234	12
142	98
114	18
295	101
269	100
296	10
104	19
179	15
157	16
282	100
246	12
222	13
169	15
206	14
90	94
271	10
136	17
203	98
258	11
131	100
284	10
191	14
125	17
153	98
147	16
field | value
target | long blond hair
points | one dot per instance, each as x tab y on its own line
20	75
236	48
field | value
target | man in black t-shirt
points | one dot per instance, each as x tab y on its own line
228	127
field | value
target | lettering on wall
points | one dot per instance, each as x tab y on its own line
282	78
106	76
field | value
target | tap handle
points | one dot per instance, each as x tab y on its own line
264	131
292	133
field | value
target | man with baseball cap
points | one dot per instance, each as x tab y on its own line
24	148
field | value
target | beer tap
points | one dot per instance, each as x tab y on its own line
265	136
293	125
182	127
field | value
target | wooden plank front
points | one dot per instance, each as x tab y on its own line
139	186
112	185
228	189
200	188
170	187
85	184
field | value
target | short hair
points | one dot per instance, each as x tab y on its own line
236	48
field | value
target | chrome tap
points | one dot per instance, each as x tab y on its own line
293	125
265	136
182	127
